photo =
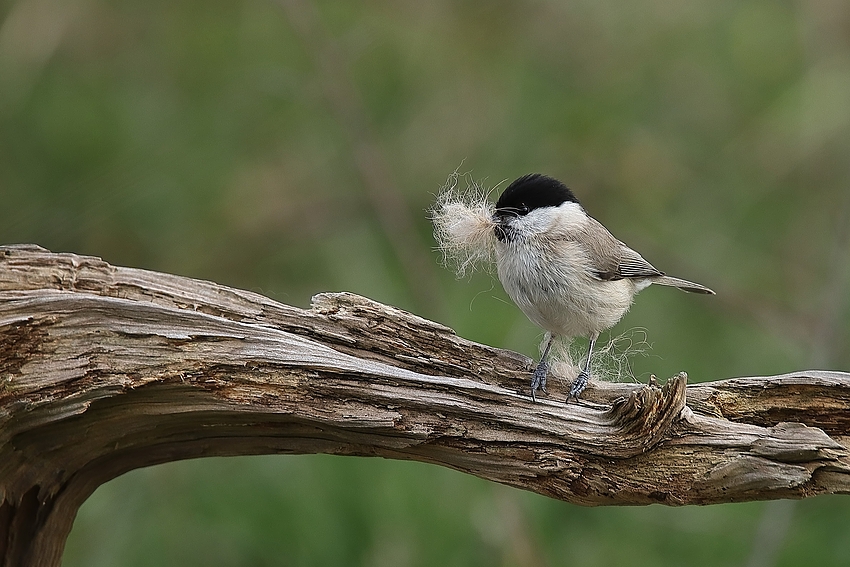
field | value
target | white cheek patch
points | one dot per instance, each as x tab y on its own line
554	221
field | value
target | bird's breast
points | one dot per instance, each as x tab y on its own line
554	286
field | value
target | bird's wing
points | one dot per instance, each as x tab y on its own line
633	265
610	259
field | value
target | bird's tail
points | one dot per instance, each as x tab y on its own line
684	285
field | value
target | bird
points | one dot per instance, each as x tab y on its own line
564	270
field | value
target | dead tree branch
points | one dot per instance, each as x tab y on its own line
106	369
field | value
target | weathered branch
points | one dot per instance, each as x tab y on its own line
106	369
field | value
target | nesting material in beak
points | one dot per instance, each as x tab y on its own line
464	226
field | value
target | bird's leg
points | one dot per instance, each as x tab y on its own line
538	378
580	383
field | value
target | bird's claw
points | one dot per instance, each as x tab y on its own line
579	384
538	379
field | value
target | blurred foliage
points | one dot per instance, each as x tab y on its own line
291	147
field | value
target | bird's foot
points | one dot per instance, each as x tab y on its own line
579	384
538	379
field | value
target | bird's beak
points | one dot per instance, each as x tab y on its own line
501	229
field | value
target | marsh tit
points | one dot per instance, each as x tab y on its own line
564	270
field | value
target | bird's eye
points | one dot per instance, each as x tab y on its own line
523	209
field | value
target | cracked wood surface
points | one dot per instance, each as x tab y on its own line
104	369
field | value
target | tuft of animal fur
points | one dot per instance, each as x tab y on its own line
463	226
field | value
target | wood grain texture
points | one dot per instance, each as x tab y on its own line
106	369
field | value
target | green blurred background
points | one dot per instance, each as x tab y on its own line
291	147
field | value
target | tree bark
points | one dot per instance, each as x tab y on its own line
106	369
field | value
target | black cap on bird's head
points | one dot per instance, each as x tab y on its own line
533	191
529	192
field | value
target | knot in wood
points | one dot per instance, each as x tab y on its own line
643	419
